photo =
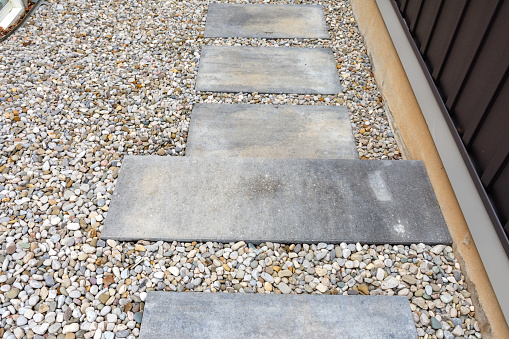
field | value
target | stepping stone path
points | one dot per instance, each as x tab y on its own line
270	131
233	315
267	70
219	194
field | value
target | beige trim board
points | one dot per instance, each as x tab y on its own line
407	94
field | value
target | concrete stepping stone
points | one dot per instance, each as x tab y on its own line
267	70
265	21
235	315
271	131
279	200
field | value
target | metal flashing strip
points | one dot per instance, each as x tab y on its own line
488	244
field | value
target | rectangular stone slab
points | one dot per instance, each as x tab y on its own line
271	131
236	315
265	21
278	200
267	70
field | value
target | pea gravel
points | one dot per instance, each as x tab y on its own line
85	83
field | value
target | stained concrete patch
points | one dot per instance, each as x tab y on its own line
265	21
279	200
267	70
235	315
271	131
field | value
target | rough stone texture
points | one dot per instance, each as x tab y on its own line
228	315
268	131
267	70
266	21
282	200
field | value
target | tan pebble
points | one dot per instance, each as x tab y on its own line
285	273
108	280
321	288
128	307
404	292
103	298
44	292
111	243
238	245
320	271
363	289
43	308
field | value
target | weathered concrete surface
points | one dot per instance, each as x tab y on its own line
280	200
267	70
234	315
265	21
270	131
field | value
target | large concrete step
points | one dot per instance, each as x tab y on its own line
265	21
269	131
267	70
279	200
235	315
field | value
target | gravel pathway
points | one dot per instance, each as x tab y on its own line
87	82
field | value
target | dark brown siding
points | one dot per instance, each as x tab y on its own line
464	45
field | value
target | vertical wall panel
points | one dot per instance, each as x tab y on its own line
411	12
465	47
500	195
486	74
469	42
492	134
496	164
482	108
443	33
426	25
401	5
455	27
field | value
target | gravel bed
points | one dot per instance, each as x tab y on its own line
86	82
